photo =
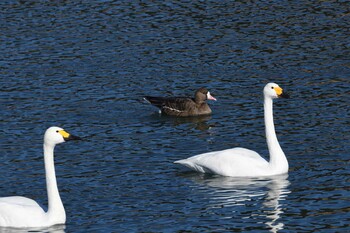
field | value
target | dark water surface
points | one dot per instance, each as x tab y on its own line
85	67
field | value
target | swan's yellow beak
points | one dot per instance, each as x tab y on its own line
280	93
67	136
278	90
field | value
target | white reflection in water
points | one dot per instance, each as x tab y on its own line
53	229
232	191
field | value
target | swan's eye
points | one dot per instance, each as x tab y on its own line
272	87
57	131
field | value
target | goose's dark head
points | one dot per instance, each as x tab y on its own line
202	94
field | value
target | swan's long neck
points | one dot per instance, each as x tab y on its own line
55	207
278	160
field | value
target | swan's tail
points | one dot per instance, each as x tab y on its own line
181	161
192	166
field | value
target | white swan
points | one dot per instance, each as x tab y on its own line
22	212
241	162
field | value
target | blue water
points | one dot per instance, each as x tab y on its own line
85	67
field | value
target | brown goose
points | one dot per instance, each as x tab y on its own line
183	106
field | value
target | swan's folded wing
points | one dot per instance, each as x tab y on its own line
17	200
232	162
19	212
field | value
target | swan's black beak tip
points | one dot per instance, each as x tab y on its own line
72	137
284	95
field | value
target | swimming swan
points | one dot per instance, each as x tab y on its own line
241	162
22	212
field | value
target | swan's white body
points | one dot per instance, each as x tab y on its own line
241	162
22	212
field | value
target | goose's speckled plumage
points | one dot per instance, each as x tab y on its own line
183	106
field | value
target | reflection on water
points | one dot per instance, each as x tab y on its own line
197	122
231	191
277	191
53	229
